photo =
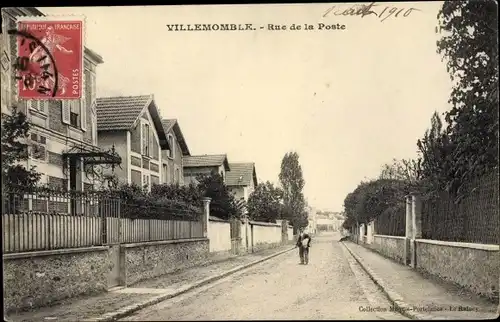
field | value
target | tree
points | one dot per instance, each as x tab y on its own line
405	170
15	131
371	199
292	183
265	203
469	45
435	157
223	203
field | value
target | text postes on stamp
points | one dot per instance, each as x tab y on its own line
49	59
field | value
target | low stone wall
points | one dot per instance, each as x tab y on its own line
472	266
153	259
389	246
41	278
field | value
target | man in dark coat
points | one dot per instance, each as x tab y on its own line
304	243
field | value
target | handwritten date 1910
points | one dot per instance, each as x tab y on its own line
363	10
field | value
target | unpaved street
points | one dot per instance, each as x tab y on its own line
332	286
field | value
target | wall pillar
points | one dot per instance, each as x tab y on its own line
206	216
362	229
369	232
408	230
246	232
416	229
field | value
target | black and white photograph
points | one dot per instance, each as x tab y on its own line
271	161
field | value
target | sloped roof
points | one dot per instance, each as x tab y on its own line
120	113
214	160
241	174
174	124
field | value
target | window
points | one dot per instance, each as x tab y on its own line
38	150
177	175
171	143
145	181
74	113
41	106
165	173
145	139
73	119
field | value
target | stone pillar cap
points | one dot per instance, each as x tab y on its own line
206	199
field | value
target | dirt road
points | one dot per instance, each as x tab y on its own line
332	286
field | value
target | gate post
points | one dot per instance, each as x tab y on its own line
408	231
206	216
416	224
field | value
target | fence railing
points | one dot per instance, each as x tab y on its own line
392	221
473	219
43	219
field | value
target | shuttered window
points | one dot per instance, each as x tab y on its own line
65	112
38	105
88	88
83	115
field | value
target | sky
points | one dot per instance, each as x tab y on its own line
347	101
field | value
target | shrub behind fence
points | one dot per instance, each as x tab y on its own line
473	219
392	221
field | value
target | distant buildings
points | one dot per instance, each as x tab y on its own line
312	225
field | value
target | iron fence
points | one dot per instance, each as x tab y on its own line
392	221
474	218
38	219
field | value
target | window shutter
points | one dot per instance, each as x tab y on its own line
83	115
32	104
65	112
93	88
44	106
151	142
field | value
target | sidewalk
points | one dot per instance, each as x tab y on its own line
154	290
421	297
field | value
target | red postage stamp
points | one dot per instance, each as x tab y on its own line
49	60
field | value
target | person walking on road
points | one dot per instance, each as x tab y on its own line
304	243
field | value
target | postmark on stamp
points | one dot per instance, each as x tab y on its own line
49	62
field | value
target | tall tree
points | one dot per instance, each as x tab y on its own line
292	183
15	131
435	157
265	202
468	43
405	170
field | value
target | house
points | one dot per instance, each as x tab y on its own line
172	159
133	126
63	136
242	179
195	165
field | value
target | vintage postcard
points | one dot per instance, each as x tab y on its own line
307	161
